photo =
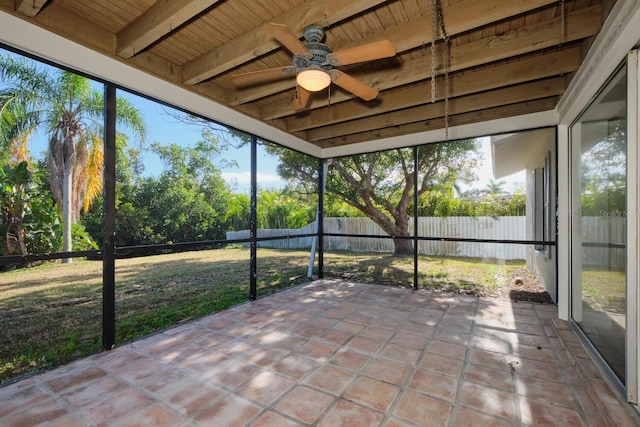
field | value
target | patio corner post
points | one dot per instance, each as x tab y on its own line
415	217
253	221
323	168
108	221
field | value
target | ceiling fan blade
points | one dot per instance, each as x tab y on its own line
353	85
367	52
253	77
301	100
287	38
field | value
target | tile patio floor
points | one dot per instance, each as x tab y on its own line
334	353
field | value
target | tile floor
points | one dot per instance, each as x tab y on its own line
334	354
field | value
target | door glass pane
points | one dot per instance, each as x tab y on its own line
599	223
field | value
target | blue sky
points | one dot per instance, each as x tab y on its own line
165	129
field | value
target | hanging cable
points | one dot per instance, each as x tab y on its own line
447	60
562	21
434	36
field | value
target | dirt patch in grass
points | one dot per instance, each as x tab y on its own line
470	276
523	286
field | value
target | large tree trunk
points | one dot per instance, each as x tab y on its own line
403	247
67	205
400	228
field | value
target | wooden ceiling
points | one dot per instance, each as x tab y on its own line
507	57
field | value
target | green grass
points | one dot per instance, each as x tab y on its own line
52	313
455	274
605	290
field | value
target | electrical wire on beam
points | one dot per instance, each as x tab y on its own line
437	23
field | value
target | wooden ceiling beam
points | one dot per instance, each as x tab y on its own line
159	20
69	25
29	8
527	39
258	42
493	98
413	34
511	110
505	74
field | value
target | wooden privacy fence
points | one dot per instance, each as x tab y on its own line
598	232
595	230
507	228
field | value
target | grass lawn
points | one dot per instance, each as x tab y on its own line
53	312
454	274
605	290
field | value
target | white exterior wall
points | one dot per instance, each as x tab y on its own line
542	262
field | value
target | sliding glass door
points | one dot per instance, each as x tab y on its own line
599	223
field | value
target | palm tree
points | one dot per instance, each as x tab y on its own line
495	188
16	127
71	111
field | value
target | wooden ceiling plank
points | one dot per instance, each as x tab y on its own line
579	24
259	42
494	98
501	75
65	23
159	20
457	120
463	16
412	34
458	18
29	8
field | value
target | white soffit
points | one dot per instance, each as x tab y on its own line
516	152
474	130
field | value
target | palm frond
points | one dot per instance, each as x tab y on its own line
94	173
20	148
129	116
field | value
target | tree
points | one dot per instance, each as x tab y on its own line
29	221
14	189
380	184
285	208
603	169
71	111
16	128
189	200
495	188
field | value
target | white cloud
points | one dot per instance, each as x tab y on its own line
245	177
242	180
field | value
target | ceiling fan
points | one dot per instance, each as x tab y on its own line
314	64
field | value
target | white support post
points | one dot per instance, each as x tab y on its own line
314	239
633	226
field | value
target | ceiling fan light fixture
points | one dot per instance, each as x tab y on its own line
313	79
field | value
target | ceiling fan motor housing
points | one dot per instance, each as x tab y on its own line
317	58
318	50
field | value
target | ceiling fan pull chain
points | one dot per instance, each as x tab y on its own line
562	21
434	35
447	60
446	90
